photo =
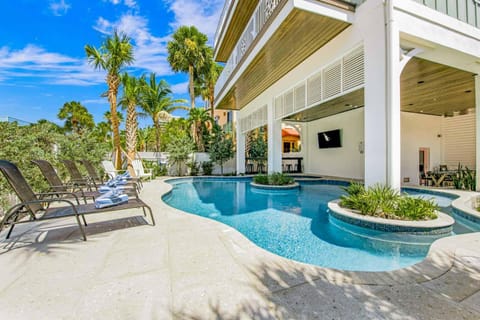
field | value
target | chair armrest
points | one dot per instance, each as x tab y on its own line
59	193
13	210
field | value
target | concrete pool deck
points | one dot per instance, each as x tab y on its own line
189	267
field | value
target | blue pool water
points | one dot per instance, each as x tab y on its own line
296	224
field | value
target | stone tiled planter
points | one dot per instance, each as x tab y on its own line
294	185
441	225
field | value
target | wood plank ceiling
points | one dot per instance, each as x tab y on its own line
301	34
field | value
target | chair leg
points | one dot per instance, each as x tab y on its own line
151	215
81	227
10	231
84	221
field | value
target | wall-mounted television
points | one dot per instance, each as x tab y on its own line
329	139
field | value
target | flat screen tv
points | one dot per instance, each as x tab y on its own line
329	139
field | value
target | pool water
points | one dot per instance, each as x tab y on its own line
295	224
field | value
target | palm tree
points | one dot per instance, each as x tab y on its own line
76	116
199	120
157	104
129	101
206	79
186	53
115	53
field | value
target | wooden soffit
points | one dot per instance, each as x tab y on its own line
233	31
432	88
299	36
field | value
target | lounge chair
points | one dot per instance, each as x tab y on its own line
56	184
92	172
112	172
140	171
32	205
76	177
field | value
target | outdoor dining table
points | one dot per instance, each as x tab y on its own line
439	177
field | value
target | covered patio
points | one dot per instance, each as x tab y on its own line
189	267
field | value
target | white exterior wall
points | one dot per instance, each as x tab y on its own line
347	161
458	141
419	131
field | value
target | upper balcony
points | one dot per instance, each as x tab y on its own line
467	11
308	24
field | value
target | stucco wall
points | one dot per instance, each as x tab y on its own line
346	161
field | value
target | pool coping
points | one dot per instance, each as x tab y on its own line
439	260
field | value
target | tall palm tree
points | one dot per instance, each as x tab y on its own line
76	116
115	53
206	79
129	101
186	53
199	120
158	104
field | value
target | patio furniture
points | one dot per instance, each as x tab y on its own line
140	171
76	177
112	173
35	208
92	172
56	184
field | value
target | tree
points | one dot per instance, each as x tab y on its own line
129	101
206	79
221	149
199	120
115	53
158	104
258	148
76	116
179	149
186	53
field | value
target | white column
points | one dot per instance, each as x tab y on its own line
274	132
375	97
477	117
394	155
240	150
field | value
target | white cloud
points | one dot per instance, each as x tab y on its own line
204	14
149	51
59	8
54	68
128	3
95	101
180	88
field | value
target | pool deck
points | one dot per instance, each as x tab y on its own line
189	267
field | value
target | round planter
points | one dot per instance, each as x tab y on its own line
292	186
441	225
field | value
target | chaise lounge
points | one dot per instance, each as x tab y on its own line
33	207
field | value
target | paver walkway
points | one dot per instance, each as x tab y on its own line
189	267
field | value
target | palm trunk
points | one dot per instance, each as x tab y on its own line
157	136
113	83
131	133
211	98
190	85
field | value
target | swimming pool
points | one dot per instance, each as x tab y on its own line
295	224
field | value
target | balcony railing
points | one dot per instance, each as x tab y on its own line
221	21
464	10
263	12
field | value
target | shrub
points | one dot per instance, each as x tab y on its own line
384	202
274	179
207	168
194	167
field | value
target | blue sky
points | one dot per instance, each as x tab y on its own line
42	56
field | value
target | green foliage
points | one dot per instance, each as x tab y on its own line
21	144
221	149
76	116
194	167
274	179
179	148
207	168
464	179
258	148
384	202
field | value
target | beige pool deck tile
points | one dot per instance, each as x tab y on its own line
190	267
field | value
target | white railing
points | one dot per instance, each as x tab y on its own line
464	10
263	12
221	21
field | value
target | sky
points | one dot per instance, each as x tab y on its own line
42	49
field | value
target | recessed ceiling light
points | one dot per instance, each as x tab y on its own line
420	82
421	111
468	91
410	104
